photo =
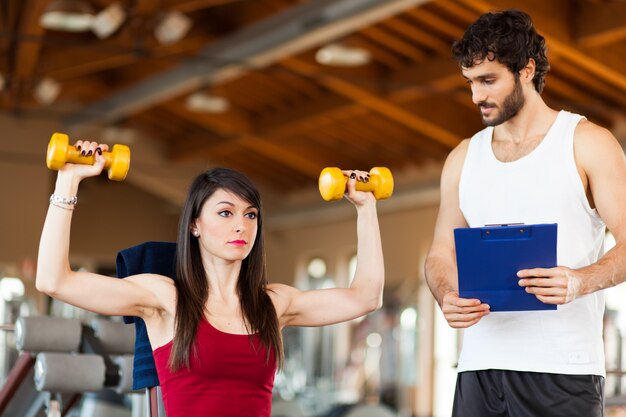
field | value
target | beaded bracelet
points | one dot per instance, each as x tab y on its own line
70	208
70	201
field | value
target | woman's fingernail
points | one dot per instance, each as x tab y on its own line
366	179
99	151
90	153
353	175
78	147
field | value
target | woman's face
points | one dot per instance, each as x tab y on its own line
227	226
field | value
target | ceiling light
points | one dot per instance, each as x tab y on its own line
116	134
172	28
316	268
11	288
342	56
108	21
67	15
47	91
206	103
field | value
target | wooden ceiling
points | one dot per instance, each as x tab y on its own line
289	117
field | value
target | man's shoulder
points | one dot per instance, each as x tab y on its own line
587	126
590	134
595	146
460	151
456	159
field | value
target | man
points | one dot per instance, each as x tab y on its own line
531	164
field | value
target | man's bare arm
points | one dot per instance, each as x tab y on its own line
602	161
440	266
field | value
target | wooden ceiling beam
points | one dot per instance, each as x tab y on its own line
302	85
87	61
381	55
166	125
455	9
549	17
227	124
296	161
440	75
265	147
253	100
375	103
566	91
300	113
276	94
352	153
435	74
89	89
362	141
82	67
265	171
229	128
403	137
579	100
380	130
189	6
9	24
416	35
295	30
320	148
599	24
597	88
600	70
401	47
426	18
418	81
26	51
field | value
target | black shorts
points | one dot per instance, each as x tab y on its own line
495	393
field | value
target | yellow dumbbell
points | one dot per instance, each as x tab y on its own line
60	152
332	183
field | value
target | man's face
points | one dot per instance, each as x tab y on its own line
497	92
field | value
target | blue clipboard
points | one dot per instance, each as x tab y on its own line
489	257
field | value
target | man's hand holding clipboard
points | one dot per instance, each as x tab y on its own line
489	259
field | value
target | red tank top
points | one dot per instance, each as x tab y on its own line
228	378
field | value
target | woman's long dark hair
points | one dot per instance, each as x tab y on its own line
192	285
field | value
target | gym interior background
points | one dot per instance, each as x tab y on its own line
278	89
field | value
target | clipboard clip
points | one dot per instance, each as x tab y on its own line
503	224
506	231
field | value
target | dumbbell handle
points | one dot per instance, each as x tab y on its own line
73	156
370	185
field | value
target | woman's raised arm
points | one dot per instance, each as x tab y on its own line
334	305
93	292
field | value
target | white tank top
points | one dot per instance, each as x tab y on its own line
541	187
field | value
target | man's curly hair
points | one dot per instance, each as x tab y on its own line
507	36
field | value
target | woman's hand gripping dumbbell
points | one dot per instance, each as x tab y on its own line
332	183
60	152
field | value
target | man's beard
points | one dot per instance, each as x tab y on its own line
512	104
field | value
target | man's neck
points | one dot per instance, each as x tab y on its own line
534	119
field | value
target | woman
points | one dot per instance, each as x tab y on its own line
216	331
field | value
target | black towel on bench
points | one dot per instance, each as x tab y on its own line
146	258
